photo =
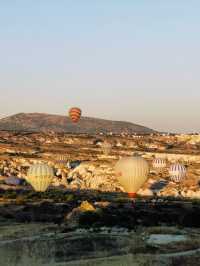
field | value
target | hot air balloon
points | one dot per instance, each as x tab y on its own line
106	148
75	114
176	179
159	163
40	176
177	172
132	172
61	160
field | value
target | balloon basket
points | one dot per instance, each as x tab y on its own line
132	195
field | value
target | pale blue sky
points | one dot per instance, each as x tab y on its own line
134	60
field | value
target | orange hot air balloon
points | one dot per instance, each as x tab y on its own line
75	114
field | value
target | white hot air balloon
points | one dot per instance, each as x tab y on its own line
106	148
177	172
40	176
159	163
132	172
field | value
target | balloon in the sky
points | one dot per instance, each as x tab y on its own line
132	172
159	163
40	176
61	160
75	114
106	148
177	172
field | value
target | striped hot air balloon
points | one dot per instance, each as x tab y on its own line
176	179
132	172
159	163
61	160
177	172
40	176
75	114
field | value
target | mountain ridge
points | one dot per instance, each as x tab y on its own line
43	122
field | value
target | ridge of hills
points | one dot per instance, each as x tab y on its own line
41	122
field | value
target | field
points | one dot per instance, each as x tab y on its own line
85	217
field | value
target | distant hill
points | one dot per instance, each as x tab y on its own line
47	122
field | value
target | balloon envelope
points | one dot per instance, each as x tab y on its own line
75	114
40	176
176	179
61	160
159	163
177	172
132	172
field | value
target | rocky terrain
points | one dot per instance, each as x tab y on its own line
85	217
45	122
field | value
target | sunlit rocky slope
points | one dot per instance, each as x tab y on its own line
45	122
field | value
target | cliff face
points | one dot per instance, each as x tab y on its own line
46	122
